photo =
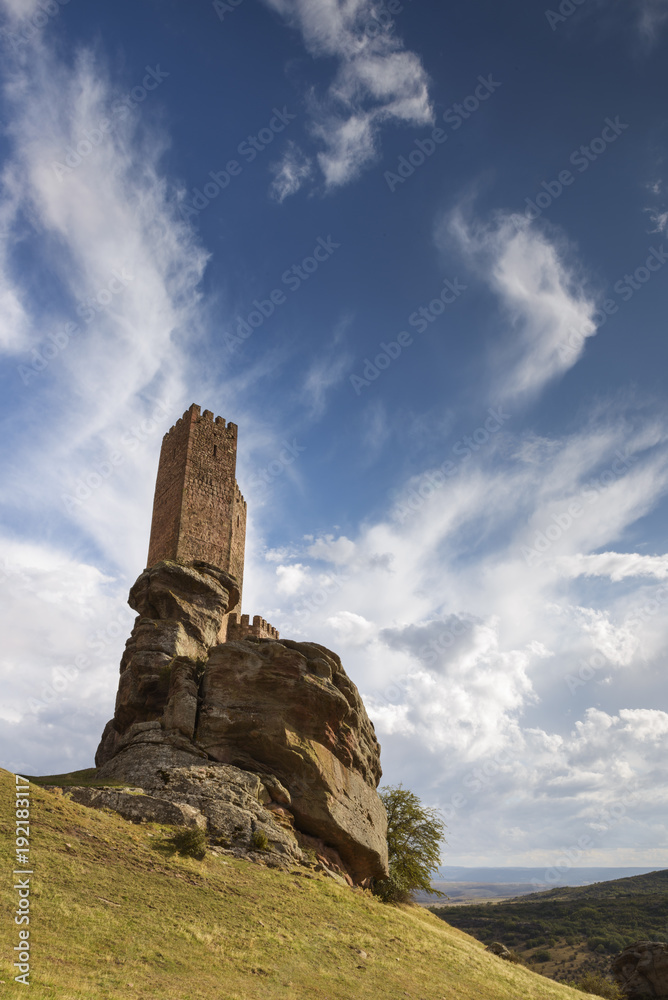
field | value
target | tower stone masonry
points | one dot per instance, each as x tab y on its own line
199	514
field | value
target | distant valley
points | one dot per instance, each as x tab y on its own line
570	929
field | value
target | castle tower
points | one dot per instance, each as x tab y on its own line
199	513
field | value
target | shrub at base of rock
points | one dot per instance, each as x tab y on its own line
191	843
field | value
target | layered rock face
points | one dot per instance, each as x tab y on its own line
274	728
642	970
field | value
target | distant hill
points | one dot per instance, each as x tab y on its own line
574	876
115	916
466	885
569	930
651	883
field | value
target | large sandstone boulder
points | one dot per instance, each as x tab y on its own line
289	708
284	713
642	970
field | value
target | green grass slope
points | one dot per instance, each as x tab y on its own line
114	916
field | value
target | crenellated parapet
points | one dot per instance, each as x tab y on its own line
240	627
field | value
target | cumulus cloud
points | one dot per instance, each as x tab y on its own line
354	629
584	797
291	579
339	551
535	277
69	623
466	702
377	81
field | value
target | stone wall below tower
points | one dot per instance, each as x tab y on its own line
240	627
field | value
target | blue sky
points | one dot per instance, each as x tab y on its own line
418	254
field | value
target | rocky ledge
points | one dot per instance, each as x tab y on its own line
641	970
249	739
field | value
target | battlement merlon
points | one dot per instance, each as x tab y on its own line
193	414
239	627
199	513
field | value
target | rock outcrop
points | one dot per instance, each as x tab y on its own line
641	970
274	728
499	949
235	807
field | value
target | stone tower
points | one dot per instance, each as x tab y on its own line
199	514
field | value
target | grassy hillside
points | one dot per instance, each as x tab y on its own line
114	916
650	884
579	928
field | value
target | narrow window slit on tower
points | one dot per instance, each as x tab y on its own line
215	450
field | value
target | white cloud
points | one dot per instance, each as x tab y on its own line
616	565
20	10
377	81
660	222
375	426
290	173
14	322
652	16
353	629
468	700
60	657
291	579
536	279
326	370
338	551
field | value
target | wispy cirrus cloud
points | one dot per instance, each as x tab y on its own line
652	16
19	10
377	81
290	173
615	565
541	292
327	370
98	223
